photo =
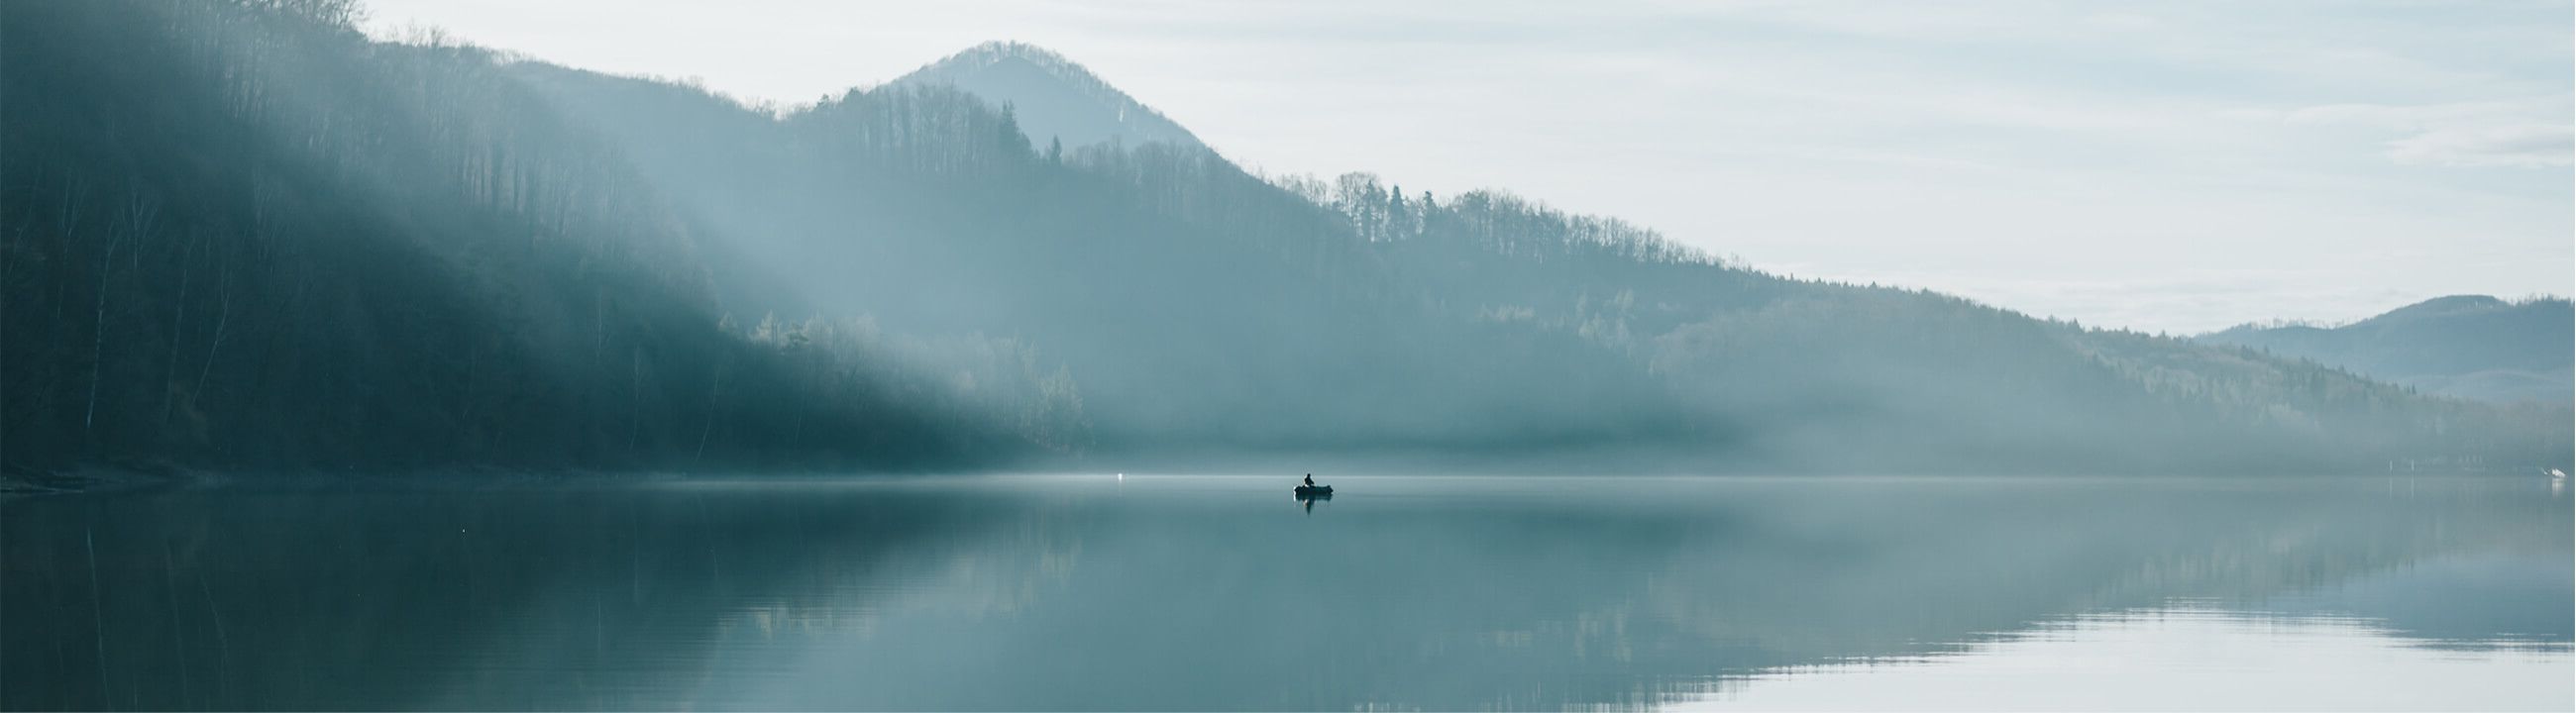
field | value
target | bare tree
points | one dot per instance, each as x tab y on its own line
170	365
223	319
141	211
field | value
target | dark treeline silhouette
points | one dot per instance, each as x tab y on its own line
242	235
403	254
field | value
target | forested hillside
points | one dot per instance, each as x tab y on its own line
242	235
1203	309
2468	346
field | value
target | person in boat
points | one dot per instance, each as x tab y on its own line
1310	480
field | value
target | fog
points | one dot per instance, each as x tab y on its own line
245	235
343	370
2068	160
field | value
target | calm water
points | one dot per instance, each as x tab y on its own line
1082	592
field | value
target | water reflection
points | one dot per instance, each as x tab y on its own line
1056	593
2186	657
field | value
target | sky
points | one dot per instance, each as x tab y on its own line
2168	167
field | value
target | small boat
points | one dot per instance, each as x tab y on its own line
1314	491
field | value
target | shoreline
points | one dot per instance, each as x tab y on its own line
16	484
105	480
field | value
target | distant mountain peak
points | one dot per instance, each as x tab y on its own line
2469	346
1004	50
1053	97
2438	306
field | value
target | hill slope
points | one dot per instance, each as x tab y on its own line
1200	310
242	236
2469	346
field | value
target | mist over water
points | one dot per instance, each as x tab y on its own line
352	371
245	237
1175	592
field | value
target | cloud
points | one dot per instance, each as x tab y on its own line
2525	133
2510	145
2399	116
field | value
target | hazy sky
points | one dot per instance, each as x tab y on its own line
2165	166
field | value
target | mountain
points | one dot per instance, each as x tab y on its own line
2469	346
386	256
1053	98
1207	315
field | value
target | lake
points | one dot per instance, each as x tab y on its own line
1173	592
